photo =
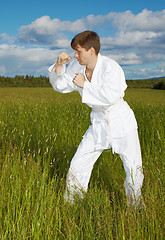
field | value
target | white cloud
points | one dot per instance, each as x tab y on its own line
124	59
4	37
46	31
144	21
130	39
145	72
136	40
18	60
144	29
92	20
60	43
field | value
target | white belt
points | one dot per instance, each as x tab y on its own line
107	114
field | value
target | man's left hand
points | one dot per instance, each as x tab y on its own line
79	80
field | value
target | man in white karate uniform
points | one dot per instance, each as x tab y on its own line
101	83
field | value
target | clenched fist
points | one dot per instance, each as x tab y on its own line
79	80
62	58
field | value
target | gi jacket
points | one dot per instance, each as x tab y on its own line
111	117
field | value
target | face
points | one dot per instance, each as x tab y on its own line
82	55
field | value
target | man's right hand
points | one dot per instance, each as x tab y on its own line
62	58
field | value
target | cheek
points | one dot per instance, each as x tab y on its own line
82	56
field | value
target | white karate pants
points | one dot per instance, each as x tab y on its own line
81	166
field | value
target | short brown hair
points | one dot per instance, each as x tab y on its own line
86	39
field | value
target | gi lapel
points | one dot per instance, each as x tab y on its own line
96	70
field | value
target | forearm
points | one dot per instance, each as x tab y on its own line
61	83
58	68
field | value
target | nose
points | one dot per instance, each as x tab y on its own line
76	55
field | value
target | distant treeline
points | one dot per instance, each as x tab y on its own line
42	81
24	81
157	83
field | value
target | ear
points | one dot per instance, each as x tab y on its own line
92	51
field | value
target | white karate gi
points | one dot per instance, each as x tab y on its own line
113	125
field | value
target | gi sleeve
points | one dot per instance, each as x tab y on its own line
110	90
62	83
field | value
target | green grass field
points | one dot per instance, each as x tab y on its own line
39	133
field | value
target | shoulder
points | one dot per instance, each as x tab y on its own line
109	63
111	68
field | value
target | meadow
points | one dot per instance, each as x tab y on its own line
40	131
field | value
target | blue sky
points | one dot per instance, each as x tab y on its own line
33	33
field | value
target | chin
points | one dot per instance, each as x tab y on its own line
81	63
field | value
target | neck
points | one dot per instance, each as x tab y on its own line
92	63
